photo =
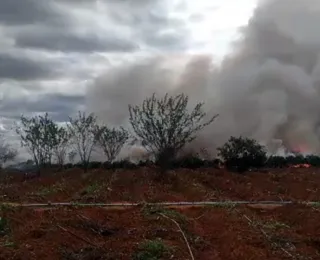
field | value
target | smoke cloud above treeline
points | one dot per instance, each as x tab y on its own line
268	88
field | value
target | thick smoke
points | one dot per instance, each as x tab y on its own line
268	88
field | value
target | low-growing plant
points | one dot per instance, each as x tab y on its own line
152	250
189	161
153	210
296	159
276	162
313	160
92	188
275	225
240	154
122	164
145	163
4	226
94	165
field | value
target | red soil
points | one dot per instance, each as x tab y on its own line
213	232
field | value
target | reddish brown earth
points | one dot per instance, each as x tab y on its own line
243	232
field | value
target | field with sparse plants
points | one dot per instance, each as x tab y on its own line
223	230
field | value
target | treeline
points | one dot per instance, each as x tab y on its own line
162	125
194	162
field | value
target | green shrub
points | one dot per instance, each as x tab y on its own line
296	159
145	163
276	162
69	166
240	154
124	164
313	160
4	226
94	165
152	250
189	162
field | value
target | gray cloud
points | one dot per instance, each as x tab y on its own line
17	12
59	106
50	45
268	89
68	41
25	68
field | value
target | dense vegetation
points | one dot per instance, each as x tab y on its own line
163	126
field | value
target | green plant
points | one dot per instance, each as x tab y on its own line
189	162
165	125
123	164
152	250
241	154
111	140
38	135
275	225
43	191
83	136
4	226
94	165
296	159
276	162
93	188
61	145
313	160
156	210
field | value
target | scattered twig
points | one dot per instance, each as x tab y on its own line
266	235
75	235
197	218
183	234
83	217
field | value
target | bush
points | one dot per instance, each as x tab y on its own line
69	166
94	165
313	160
152	250
277	162
165	125
146	163
240	154
296	159
123	164
189	162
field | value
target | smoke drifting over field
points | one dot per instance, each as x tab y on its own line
268	88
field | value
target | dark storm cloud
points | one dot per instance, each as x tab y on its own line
55	25
17	12
25	68
59	106
68	41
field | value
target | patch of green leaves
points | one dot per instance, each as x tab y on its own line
151	210
152	250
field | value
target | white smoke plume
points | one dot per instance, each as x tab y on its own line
268	88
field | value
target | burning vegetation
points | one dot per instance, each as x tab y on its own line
162	129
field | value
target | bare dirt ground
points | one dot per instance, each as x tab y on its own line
213	232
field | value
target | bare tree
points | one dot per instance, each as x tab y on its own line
7	153
111	140
38	134
164	125
82	130
61	145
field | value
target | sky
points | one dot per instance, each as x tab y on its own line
50	50
256	63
